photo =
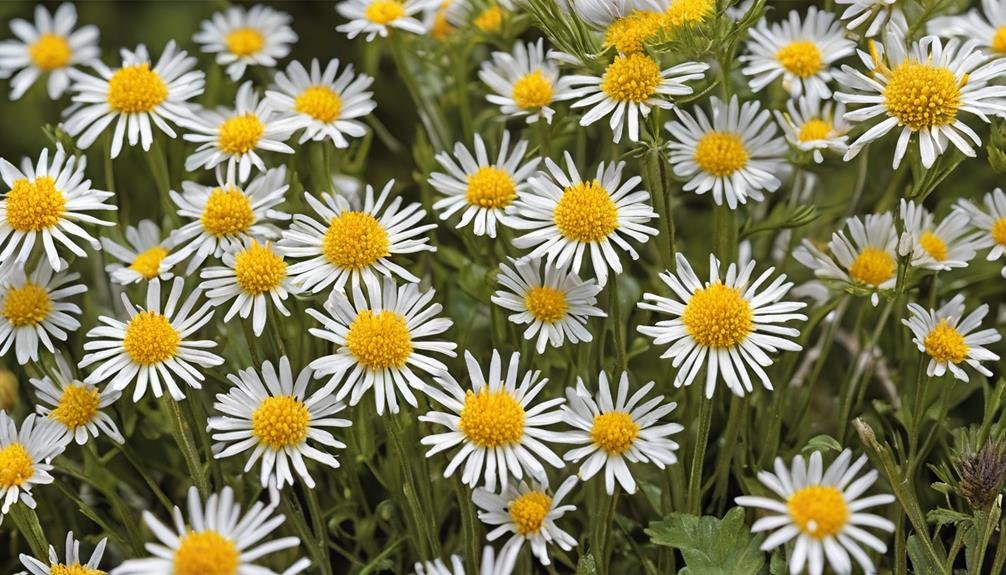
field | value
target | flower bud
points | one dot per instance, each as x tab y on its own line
982	475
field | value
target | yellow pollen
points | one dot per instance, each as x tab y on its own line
16	465
922	96
27	305
75	569
78	406
490	20
614	432
721	153
34	206
227	212
802	58
718	317
492	419
627	35
586	213
280	421
818	510
258	269
355	240
240	134
150	338
529	510
49	52
873	266
533	90
148	263
687	12
934	245
319	102
998	231
245	41
998	43
384	11
134	89
490	187
546	304
814	130
206	553
631	78
946	344
379	341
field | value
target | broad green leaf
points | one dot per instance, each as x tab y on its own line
709	545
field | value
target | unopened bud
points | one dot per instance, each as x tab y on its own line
982	475
906	244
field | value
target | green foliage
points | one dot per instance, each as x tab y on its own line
710	545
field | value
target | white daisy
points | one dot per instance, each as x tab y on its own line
949	338
733	153
601	13
154	346
217	538
488	16
75	405
350	245
823	510
729	324
991	222
143	259
939	247
566	216
633	32
381	338
136	94
483	188
987	26
488	566
33	310
273	416
525	82
72	563
324	104
251	277
815	126
876	12
25	457
497	423
258	36
376	17
49	46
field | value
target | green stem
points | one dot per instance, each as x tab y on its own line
435	129
459	59
725	233
603	553
469	524
295	512
320	529
999	560
621	363
424	519
655	176
26	521
918	409
145	475
705	420
183	437
846	406
730	440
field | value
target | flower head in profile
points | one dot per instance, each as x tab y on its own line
990	222
874	14
73	561
375	18
75	405
987	26
33	310
815	126
24	458
240	37
944	246
486	16
143	259
525	82
253	277
489	565
949	338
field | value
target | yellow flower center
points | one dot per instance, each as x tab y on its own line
529	510
873	266
718	316
818	510
245	41
355	240
148	263
614	432
150	338
585	213
384	11
631	78
319	102
490	20
999	40
16	465
49	52
814	130
946	344
546	304
490	187
533	90
34	206
77	406
240	134
379	341
227	212
721	153
492	419
75	569
258	269
687	12
134	89
206	553
934	245
627	35
25	306
802	58
280	421
923	96
998	231
441	27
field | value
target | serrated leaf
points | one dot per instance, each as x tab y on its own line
709	545
942	516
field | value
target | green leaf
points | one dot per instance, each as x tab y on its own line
822	443
942	516
709	545
921	561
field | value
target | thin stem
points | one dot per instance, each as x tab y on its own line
423	518
604	529
845	409
320	529
183	437
705	421
621	363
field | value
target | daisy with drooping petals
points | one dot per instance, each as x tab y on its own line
49	46
32	310
525	82
620	430
217	538
991	223
257	36
487	16
987	26
143	259
601	13
72	563
949	338
350	245
136	95
488	566
557	305
376	17
939	247
154	346
273	416
729	325
497	424
251	277
75	405
25	456
381	338
567	216
815	126
823	510
482	188
733	153
876	12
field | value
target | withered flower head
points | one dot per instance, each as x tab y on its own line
982	474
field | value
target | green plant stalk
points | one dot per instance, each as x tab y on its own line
618	338
469	525
918	410
26	521
999	559
722	473
423	518
845	408
654	170
319	555
705	421
183	437
435	130
141	469
459	61
319	527
603	529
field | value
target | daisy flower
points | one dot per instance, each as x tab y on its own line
225	216
483	188
949	338
143	259
525	82
272	415
991	223
497	423
601	13
258	36
488	566
324	104
75	405
376	17
868	261
49	46
630	86
349	244
556	306
154	346
233	136
217	538
733	153
33	310
47	202
729	325
938	247
801	52
875	12
435	20
822	509
987	26
25	456
814	126
618	431
530	513
251	277
72	563
135	95
486	16
381	338
567	216
921	90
